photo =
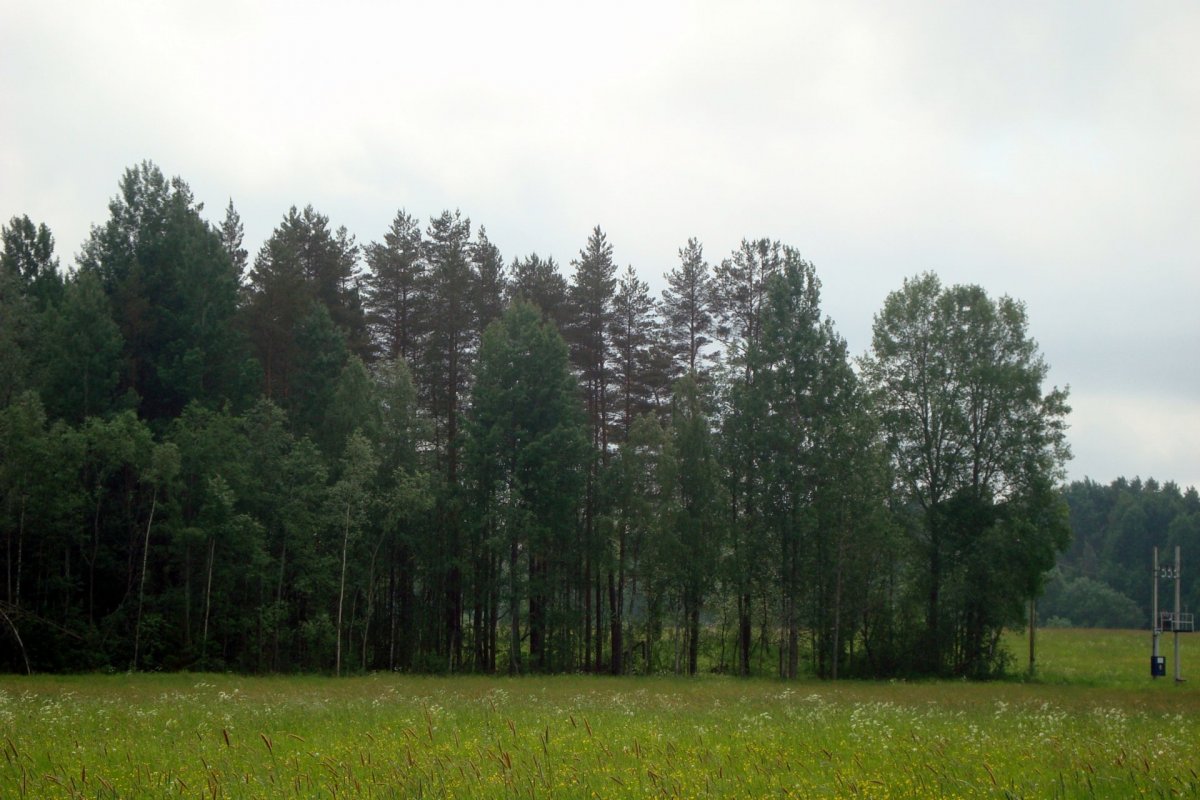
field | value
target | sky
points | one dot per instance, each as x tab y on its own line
1043	150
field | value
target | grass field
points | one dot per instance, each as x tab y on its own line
1093	725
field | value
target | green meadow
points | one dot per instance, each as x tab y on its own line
1093	724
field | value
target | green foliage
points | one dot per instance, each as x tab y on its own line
689	543
1089	603
687	310
16	336
79	355
232	234
338	470
394	290
539	281
28	256
976	445
173	292
525	452
315	380
1115	529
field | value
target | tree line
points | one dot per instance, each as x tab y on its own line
1104	579
415	455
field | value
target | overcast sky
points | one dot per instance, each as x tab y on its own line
1048	151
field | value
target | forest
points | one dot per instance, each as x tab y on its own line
417	455
1103	579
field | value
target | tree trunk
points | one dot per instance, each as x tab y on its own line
514	651
137	628
745	634
536	655
212	549
392	592
614	623
187	595
370	601
92	561
618	608
694	636
16	601
835	656
494	614
342	592
20	644
278	604
933	654
676	644
599	665
588	534
793	639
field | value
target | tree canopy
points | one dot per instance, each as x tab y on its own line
418	455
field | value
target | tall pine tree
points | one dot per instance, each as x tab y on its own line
687	310
393	290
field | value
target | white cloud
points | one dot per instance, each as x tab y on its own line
1042	150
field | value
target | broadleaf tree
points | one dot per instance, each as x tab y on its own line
976	440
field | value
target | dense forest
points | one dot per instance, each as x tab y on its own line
417	455
1104	579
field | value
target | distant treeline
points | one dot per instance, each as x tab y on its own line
1105	578
416	455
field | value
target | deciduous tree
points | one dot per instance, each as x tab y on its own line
976	440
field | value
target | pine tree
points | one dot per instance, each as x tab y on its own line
738	293
491	284
686	308
540	282
739	289
444	371
633	335
232	235
452	333
591	294
393	290
303	262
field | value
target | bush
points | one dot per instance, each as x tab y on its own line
1088	603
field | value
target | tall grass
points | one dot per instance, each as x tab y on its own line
1090	728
